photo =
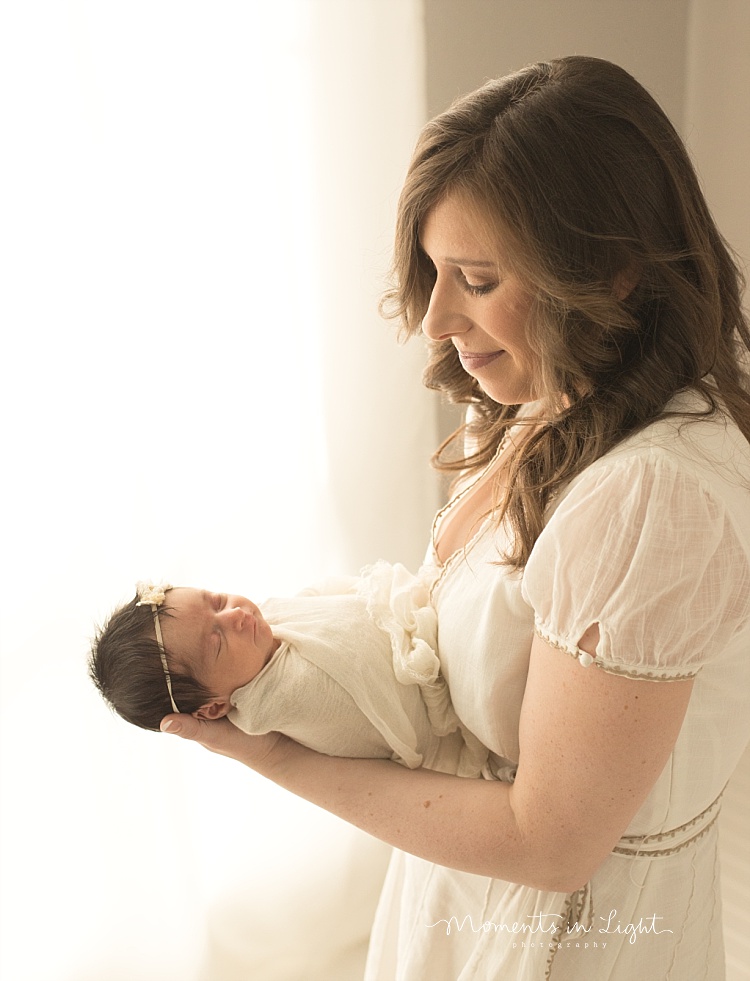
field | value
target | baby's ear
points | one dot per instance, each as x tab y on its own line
214	709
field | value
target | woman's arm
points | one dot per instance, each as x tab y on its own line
592	745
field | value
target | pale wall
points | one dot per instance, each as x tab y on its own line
469	41
718	110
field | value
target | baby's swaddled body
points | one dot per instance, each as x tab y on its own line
357	674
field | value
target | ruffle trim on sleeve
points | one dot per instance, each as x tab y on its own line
642	545
586	660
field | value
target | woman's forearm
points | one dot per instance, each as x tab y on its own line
463	823
587	762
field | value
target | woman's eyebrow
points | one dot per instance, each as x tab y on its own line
476	263
459	260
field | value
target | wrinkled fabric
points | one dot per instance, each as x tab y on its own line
357	675
652	543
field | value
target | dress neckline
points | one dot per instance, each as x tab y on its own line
481	525
454	501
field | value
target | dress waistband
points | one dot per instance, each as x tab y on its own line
674	840
578	911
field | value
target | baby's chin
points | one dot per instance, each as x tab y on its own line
275	645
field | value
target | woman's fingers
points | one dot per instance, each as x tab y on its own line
220	736
181	725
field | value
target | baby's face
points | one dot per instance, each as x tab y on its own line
222	640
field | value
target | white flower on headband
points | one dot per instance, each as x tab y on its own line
151	594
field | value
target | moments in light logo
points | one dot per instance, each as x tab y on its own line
540	924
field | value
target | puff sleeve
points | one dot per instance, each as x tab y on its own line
640	546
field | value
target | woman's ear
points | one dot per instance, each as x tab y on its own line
214	709
626	281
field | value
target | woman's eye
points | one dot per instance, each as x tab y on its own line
477	289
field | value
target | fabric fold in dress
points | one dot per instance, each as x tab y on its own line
652	542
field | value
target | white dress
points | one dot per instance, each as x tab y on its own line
652	542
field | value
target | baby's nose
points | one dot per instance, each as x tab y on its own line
235	617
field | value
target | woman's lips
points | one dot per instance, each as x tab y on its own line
472	362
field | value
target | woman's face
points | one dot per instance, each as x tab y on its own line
477	306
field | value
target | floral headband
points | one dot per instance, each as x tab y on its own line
153	595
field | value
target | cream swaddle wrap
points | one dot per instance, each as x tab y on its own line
358	675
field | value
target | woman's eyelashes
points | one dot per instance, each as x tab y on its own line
475	289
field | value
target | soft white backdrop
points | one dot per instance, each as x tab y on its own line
195	219
197	213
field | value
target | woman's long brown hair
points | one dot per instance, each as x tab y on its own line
583	186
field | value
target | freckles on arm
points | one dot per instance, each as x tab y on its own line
592	746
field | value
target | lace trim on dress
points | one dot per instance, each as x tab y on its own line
577	915
644	846
447	508
578	912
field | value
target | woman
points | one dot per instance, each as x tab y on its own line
594	592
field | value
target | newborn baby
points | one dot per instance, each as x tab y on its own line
348	669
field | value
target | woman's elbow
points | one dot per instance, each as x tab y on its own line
561	870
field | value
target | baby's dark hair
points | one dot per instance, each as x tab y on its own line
125	665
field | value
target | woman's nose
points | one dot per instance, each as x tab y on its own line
444	317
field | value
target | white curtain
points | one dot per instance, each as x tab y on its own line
197	215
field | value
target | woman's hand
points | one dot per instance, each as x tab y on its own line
220	736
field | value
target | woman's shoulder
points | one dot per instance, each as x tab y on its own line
660	524
690	441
